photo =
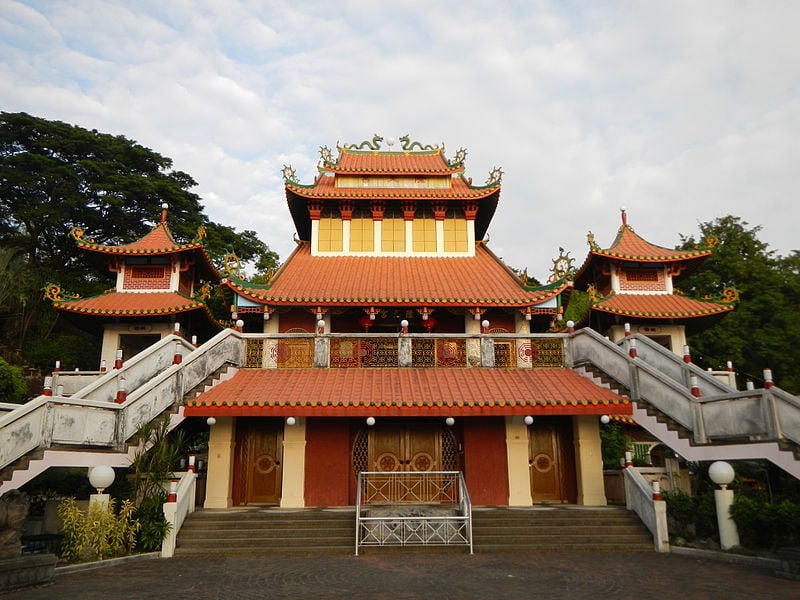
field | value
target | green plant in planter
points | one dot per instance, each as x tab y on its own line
153	465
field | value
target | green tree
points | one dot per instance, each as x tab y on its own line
13	387
54	176
763	330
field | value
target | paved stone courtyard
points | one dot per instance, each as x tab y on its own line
404	574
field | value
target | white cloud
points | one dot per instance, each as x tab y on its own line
682	111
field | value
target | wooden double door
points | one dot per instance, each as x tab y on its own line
258	460
398	446
551	461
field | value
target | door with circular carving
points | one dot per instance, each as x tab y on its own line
549	462
257	470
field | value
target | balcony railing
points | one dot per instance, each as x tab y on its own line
348	351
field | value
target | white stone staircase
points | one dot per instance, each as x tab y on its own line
88	427
721	424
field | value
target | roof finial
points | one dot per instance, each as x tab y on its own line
624	216
164	208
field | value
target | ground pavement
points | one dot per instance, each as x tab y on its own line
418	574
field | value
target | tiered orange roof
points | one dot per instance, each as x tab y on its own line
481	280
659	306
422	161
325	187
628	246
375	162
159	241
131	304
407	392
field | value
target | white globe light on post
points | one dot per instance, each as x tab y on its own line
605	419
101	477
722	474
210	421
290	421
528	420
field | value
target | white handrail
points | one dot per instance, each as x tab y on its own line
653	513
176	512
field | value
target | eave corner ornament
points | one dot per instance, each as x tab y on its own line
232	266
729	295
495	176
563	267
458	159
202	234
593	246
54	293
204	293
78	234
289	175
326	156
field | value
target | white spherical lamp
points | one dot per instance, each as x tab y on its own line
528	420
101	477
721	473
290	421
211	421
450	421
370	421
605	419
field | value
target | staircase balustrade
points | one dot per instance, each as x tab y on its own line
652	512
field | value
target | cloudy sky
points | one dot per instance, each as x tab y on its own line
681	111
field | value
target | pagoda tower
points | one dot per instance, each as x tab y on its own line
632	283
393	339
160	284
386	235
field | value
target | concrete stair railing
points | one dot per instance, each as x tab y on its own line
91	418
751	424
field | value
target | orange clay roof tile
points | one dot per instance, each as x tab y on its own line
131	304
392	163
454	281
660	306
158	241
628	245
398	391
325	188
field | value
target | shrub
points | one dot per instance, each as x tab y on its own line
99	533
680	510
13	387
763	524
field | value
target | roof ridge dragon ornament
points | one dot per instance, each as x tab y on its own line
373	144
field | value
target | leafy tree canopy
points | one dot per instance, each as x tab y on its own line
54	176
763	330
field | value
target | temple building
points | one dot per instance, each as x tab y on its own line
393	339
160	284
633	283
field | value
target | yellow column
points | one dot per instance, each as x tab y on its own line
589	459
294	465
519	481
220	463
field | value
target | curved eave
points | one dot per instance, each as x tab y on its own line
123	312
714	309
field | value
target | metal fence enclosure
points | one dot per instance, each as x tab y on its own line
413	509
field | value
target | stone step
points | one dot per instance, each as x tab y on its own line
310	531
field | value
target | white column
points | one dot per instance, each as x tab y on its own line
519	477
439	236
346	236
294	465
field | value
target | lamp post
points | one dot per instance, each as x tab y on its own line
100	477
722	474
